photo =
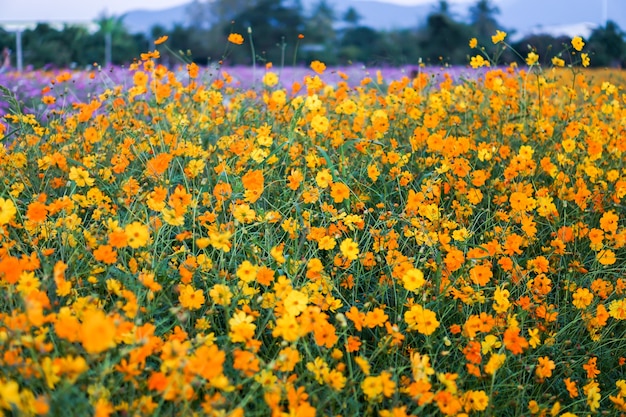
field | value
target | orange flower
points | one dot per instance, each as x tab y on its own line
37	212
161	40
105	254
481	274
514	342
253	182
339	192
10	269
591	368
454	259
245	361
190	298
235	38
156	166
318	66
97	332
544	367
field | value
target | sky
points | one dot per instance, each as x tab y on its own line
88	10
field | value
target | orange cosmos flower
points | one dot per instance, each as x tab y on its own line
454	259
235	38
97	332
190	298
318	66
105	254
339	192
37	212
156	166
481	274
514	342
161	40
544	367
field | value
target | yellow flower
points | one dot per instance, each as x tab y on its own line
372	387
137	234
235	38
221	294
270	79
421	319
532	58
498	37
413	279
577	43
558	62
319	123
7	211
606	257
295	303
473	43
247	272
349	249
81	177
585	59
478	61
617	309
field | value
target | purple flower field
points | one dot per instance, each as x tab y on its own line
79	86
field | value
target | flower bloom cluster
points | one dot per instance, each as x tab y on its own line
372	247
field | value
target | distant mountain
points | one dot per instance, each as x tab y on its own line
556	17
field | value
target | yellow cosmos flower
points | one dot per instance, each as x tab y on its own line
532	58
81	177
137	234
270	79
498	37
413	279
7	211
577	43
349	249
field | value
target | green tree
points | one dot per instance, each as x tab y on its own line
443	39
273	24
357	45
607	46
117	46
320	33
483	20
352	17
545	45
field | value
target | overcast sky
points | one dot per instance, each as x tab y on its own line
87	10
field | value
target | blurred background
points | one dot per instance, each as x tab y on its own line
76	34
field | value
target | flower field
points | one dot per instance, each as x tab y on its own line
319	244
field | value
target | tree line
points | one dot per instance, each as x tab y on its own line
285	33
